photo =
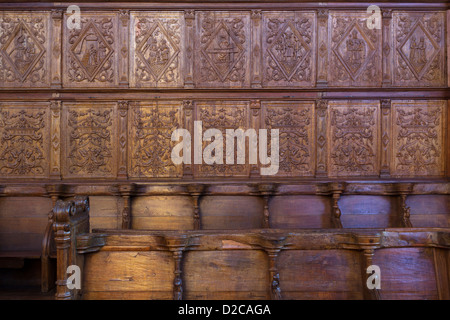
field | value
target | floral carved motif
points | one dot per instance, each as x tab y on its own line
152	129
23	151
353	140
90	141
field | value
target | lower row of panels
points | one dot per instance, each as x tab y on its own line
135	139
30	214
405	273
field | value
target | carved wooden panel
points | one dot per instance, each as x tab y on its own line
354	50
289	48
419	42
89	131
222	49
25	49
91	53
353	131
151	124
419	138
223	115
24	137
157	49
296	124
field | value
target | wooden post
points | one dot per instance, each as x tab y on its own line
126	190
404	189
266	190
336	191
177	244
196	190
273	244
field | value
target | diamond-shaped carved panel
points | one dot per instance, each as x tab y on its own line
24	47
223	51
289	48
419	42
355	55
90	52
157	53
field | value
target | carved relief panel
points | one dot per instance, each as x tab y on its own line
91	52
89	133
289	49
419	42
295	122
24	136
222	116
222	49
353	131
25	49
354	50
419	134
150	129
157	49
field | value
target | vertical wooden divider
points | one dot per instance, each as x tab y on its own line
177	244
196	190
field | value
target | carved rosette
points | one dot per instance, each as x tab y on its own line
151	126
90	149
223	51
419	55
418	138
354	51
24	133
353	131
24	50
158	47
295	122
289	49
91	51
222	116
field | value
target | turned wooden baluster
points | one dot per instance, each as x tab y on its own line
273	244
196	190
368	244
266	190
336	190
404	189
126	190
177	244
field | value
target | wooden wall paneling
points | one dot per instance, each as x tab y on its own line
90	135
122	135
26	49
105	212
400	268
56	52
387	47
150	128
441	267
123	45
158	49
429	211
91	53
55	132
25	133
255	123
419	128
256	50
295	121
289	48
189	20
226	274
322	45
354	51
419	55
162	212
386	138
188	116
321	137
353	132
222	49
222	115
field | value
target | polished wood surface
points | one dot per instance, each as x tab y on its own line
86	117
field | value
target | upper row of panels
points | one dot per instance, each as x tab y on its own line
235	49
